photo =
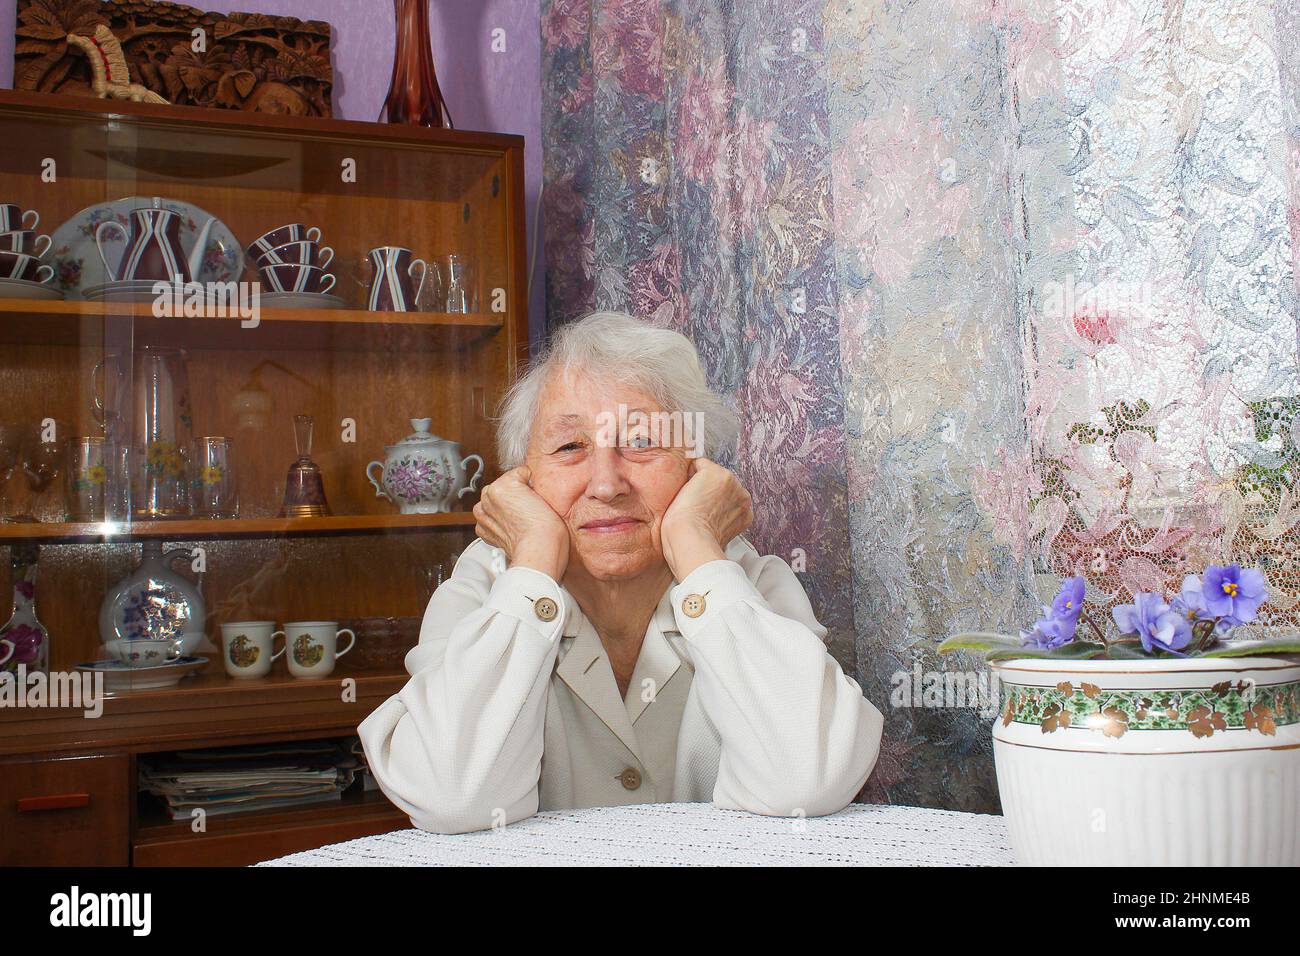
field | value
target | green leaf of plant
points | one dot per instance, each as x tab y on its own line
1077	650
1074	651
1126	651
1257	648
978	641
1011	653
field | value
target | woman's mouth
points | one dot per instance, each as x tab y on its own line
617	525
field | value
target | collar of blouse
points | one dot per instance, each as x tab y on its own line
586	670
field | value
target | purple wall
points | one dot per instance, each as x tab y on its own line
500	92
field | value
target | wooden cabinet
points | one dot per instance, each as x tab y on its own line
363	375
69	811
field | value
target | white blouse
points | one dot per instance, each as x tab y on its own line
512	705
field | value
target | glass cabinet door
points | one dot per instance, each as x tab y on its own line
253	380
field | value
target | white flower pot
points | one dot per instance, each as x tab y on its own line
1151	762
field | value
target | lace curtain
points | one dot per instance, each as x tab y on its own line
1003	291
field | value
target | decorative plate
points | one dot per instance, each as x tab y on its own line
76	261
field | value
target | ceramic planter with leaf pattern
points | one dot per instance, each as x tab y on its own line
1153	763
1155	742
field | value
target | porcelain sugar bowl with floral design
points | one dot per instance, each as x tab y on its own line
422	473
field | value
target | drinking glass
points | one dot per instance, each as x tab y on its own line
457	284
215	492
42	464
11	453
86	479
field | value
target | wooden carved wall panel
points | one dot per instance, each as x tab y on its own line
250	61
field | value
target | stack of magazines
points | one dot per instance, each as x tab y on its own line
353	746
257	777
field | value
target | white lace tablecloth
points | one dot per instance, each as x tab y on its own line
691	834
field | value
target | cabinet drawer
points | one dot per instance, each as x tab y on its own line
71	811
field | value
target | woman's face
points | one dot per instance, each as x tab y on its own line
611	490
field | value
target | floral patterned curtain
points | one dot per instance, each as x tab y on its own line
1004	290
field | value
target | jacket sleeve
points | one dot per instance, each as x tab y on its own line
459	748
797	736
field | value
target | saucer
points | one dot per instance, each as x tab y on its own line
302	300
27	289
127	290
122	677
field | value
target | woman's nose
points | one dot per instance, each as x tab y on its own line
608	480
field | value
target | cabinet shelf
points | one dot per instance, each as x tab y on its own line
70	322
80	532
155	826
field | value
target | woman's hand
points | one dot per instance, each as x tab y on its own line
709	510
513	517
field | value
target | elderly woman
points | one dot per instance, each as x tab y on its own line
611	639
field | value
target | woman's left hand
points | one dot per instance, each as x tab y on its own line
709	510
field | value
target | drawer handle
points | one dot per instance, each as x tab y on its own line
58	801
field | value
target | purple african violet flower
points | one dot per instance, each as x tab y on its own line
1234	593
1059	621
1156	624
1049	632
1190	601
1069	600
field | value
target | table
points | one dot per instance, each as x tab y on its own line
691	834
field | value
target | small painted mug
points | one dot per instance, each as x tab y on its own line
13	218
145	653
302	253
16	265
247	647
292	277
313	647
24	241
293	232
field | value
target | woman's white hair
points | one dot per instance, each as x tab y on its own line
615	347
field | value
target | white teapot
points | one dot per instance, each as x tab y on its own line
423	474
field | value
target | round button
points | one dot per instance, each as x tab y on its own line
630	778
545	609
693	605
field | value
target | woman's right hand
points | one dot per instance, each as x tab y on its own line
513	517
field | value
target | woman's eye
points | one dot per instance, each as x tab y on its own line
571	446
639	441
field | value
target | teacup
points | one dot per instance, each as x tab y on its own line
13	218
246	647
313	646
145	653
291	277
17	265
304	253
293	232
24	241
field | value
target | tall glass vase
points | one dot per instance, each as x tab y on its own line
413	95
